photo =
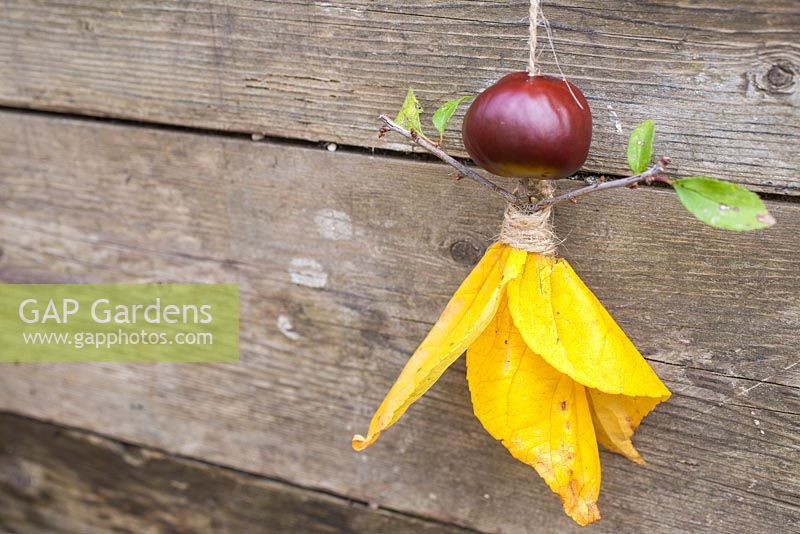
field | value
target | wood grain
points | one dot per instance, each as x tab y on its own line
716	313
719	77
57	480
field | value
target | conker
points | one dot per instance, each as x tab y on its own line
529	126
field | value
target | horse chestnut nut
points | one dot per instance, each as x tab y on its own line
529	126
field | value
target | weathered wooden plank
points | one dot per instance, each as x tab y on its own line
58	480
715	312
719	77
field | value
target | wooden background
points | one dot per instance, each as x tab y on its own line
126	156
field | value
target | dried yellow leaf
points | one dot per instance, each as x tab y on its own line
561	320
540	414
615	419
466	315
550	372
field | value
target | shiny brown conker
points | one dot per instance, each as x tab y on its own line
529	126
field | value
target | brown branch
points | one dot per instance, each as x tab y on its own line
649	176
431	147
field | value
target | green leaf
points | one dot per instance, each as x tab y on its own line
722	204
640	146
408	117
442	116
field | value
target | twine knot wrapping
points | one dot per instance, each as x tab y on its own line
528	230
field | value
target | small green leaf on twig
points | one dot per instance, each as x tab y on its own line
640	146
722	204
442	116
408	117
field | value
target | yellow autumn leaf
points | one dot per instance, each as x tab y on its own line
615	419
561	320
466	315
550	372
540	414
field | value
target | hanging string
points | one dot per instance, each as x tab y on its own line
533	26
535	17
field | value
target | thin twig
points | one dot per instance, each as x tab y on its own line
524	191
649	176
431	147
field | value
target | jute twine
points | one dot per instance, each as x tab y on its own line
523	228
528	230
534	24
